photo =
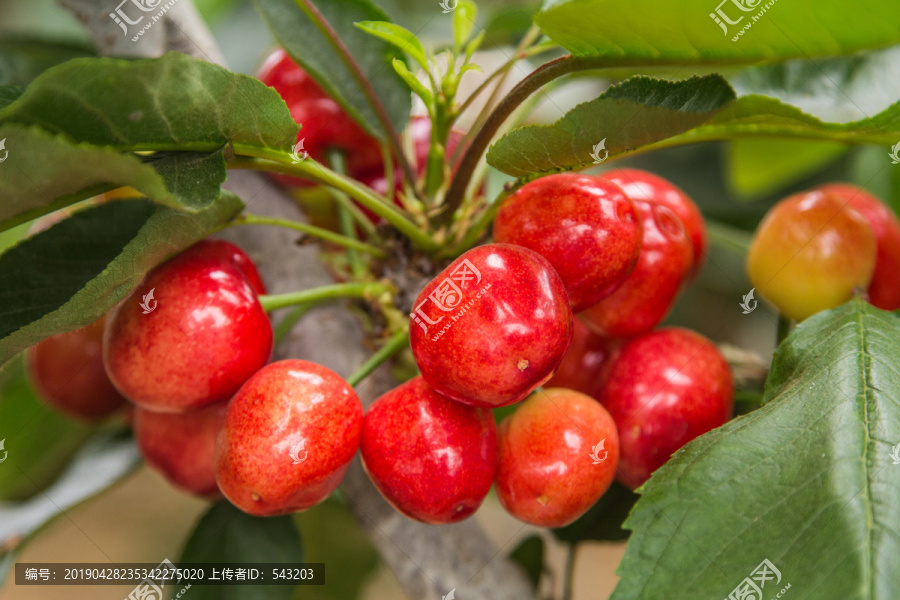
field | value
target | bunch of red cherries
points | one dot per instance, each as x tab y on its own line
603	395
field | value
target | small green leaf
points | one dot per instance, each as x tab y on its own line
225	534
413	82
806	481
667	32
308	43
635	113
23	59
70	275
174	102
464	20
603	522
397	36
530	556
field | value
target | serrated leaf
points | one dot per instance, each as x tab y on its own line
464	16
70	275
603	522
665	32
225	534
44	440
806	482
23	59
413	82
635	113
103	461
399	37
174	102
44	172
315	52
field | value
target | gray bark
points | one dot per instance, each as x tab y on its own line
428	561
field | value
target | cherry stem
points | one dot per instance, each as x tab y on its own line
366	290
394	345
568	580
287	323
331	35
330	236
484	221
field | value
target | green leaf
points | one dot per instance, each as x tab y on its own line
174	102
509	24
103	461
413	82
667	32
464	20
69	275
806	481
399	37
635	113
23	59
603	522
530	556
186	180
9	94
758	167
37	460
873	169
225	534
315	52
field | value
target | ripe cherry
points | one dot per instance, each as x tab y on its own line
195	342
432	458
585	226
289	435
67	372
642	185
810	252
584	366
558	456
646	297
180	446
664	389
228	252
884	291
492	326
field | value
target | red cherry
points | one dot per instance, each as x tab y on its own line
492	326
228	252
646	297
586	361
558	456
884	291
289	435
204	335
432	458
180	446
67	372
641	185
663	390
585	226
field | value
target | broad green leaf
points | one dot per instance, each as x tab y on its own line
105	460
806	482
758	167
174	102
23	59
9	94
399	37
41	441
603	522
44	172
464	20
635	113
305	40
687	31
225	534
69	275
530	556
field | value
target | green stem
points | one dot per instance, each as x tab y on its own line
286	324
484	221
346	221
267	159
568	581
392	347
728	238
327	292
342	240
